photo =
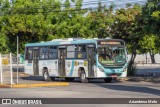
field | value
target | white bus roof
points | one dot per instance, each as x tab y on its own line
68	41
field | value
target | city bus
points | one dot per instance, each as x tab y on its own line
72	58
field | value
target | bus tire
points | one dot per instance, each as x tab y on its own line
83	77
46	75
52	78
69	79
108	80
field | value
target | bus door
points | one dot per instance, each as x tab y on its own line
91	60
35	61
61	61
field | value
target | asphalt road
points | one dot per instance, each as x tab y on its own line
95	89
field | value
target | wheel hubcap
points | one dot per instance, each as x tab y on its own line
83	76
45	75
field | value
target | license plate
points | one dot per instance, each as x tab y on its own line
114	75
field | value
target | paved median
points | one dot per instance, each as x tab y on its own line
34	85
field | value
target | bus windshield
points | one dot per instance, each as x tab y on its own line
112	56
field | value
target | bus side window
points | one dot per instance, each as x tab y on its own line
71	50
44	53
41	53
53	52
81	51
28	53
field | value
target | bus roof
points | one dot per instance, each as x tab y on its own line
67	41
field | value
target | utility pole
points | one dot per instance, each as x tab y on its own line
1	69
11	71
17	56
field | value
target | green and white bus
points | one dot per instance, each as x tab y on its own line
77	58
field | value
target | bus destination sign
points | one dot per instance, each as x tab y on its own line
109	43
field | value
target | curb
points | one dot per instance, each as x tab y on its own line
5	86
34	85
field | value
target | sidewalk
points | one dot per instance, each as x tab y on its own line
141	79
149	65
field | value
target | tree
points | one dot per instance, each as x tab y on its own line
3	44
41	20
151	25
21	21
149	44
100	21
4	7
127	26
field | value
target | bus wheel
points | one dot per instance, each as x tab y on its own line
69	79
52	78
108	80
46	75
83	77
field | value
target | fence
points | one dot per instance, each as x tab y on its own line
8	68
145	58
5	59
10	73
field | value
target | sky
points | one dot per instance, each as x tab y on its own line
118	3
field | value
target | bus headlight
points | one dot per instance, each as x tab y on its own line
101	69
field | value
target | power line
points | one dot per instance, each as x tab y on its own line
63	5
25	10
56	11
